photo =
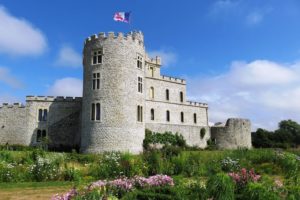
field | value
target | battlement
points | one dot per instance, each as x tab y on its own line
134	36
14	105
155	61
173	79
194	103
52	98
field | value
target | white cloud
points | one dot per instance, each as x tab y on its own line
264	91
223	7
7	78
167	57
68	57
66	87
19	37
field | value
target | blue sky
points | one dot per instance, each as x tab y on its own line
241	57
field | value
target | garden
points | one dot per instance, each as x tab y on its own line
173	172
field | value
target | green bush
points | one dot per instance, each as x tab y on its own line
220	187
293	192
259	191
71	174
153	162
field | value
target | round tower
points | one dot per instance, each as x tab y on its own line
113	93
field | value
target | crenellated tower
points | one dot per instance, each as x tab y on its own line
113	93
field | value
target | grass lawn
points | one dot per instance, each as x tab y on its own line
32	190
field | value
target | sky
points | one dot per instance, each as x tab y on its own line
242	57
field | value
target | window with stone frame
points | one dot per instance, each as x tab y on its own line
96	81
96	112
140	113
152	92
152	71
140	84
181	96
182	117
97	56
42	115
40	135
152	114
195	118
139	61
168	116
167	95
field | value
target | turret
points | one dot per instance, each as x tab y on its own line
113	93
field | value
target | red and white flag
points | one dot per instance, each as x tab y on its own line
122	16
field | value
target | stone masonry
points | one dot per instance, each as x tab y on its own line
123	94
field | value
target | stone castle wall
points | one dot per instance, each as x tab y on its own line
13	129
235	134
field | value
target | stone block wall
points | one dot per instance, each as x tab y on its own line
235	134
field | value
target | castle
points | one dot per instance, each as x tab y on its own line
123	94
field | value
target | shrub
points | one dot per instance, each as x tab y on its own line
153	161
258	191
220	187
71	174
229	165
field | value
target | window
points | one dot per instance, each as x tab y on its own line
182	117
43	113
140	84
97	57
139	62
152	114
96	81
96	112
140	113
195	118
152	71
168	116
167	94
181	96
40	135
152	92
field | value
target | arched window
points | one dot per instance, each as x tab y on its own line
181	96
167	94
182	117
39	135
40	115
195	118
45	115
44	134
98	111
168	116
152	114
152	92
152	71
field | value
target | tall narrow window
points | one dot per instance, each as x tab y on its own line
168	116
93	112
152	71
45	115
152	92
44	134
182	117
97	57
167	94
40	115
96	81
140	84
139	113
39	135
181	96
98	111
152	114
139	62
195	118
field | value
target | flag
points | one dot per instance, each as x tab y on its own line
122	16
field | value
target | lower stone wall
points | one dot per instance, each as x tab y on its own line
235	134
13	127
190	133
